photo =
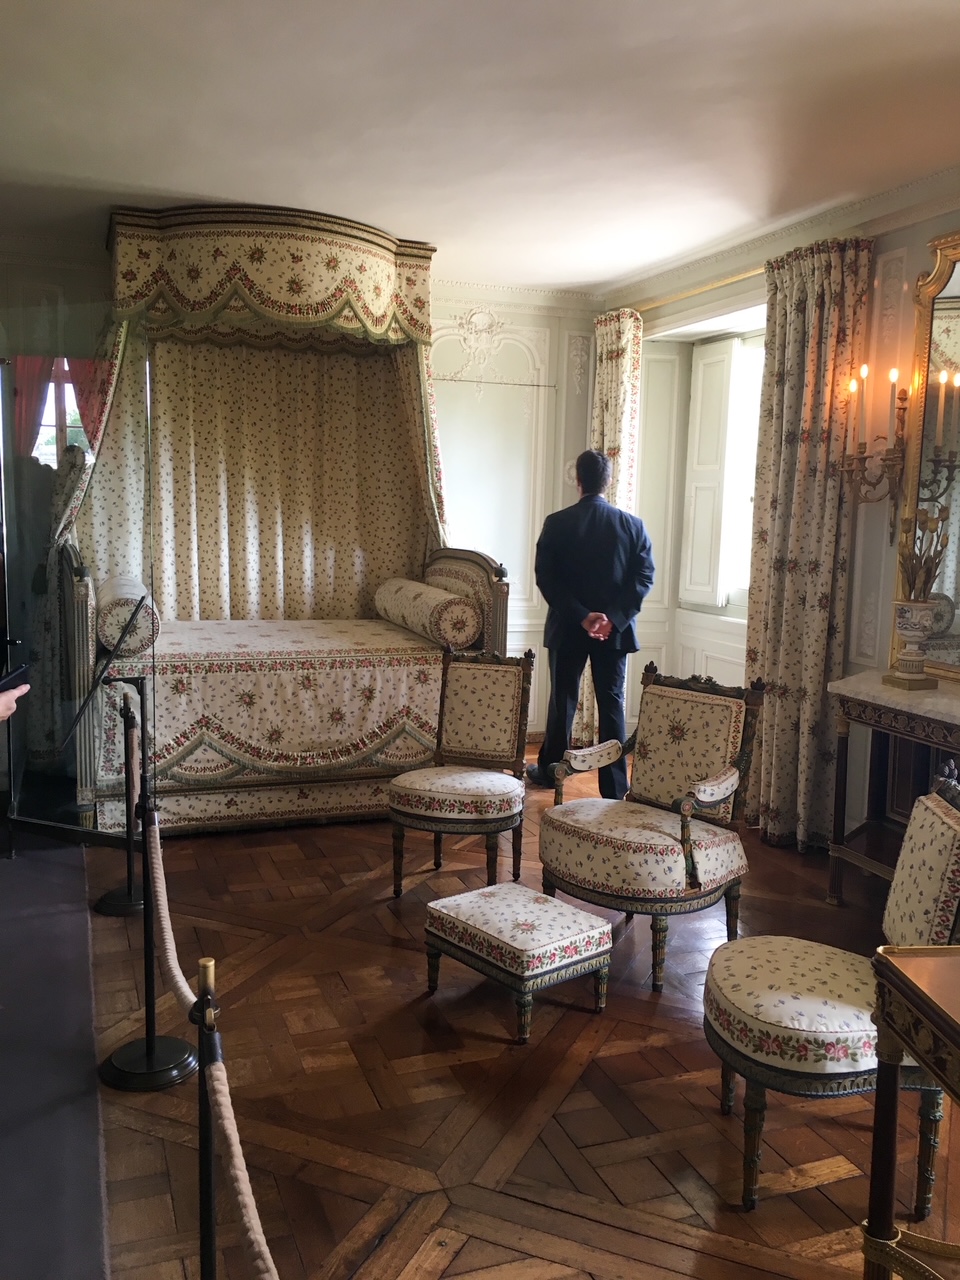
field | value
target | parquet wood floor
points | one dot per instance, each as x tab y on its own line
394	1135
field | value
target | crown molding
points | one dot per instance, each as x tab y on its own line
732	259
516	298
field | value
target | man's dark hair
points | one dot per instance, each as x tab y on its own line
593	471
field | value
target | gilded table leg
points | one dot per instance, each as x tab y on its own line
433	968
731	898
437	850
524	1012
754	1111
883	1163
728	1088
601	977
658	928
492	842
931	1114
397	859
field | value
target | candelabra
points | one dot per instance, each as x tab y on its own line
936	479
876	476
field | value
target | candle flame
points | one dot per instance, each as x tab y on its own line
944	375
864	370
956	379
894	375
853	385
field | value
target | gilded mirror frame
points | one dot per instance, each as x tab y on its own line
929	287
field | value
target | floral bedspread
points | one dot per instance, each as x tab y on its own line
244	703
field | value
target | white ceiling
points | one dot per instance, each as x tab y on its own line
549	143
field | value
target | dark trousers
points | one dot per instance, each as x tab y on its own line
609	668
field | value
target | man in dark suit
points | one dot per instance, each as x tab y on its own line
594	566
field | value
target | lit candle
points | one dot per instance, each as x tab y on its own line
955	433
892	428
864	370
943	390
850	414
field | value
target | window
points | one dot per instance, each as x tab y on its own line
60	424
721	462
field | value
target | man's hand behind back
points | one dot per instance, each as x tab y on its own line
597	626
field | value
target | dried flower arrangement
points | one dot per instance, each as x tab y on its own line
920	561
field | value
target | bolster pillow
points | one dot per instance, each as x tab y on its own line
436	615
117	598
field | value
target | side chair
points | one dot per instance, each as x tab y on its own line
796	1016
475	785
648	854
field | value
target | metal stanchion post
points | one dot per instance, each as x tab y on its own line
128	899
209	1050
155	1062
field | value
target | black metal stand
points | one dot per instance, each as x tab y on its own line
209	1050
127	900
155	1062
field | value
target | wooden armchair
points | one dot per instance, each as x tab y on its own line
667	848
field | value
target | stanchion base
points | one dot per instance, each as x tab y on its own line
129	1068
118	902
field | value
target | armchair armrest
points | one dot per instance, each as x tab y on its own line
706	794
581	759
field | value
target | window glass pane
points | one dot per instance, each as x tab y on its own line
49	418
45	450
75	431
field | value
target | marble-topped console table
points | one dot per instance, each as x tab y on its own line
930	716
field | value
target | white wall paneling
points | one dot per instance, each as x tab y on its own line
513	386
710	645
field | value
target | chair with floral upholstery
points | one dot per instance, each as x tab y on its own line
475	785
647	854
795	1016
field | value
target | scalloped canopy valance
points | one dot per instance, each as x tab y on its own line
204	266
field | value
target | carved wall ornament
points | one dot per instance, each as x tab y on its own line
578	350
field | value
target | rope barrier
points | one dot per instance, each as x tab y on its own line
232	1155
215	1073
167	948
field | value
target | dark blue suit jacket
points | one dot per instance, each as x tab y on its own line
593	558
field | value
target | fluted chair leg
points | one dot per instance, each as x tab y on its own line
728	1088
931	1114
517	849
492	843
437	850
658	928
754	1111
398	834
732	899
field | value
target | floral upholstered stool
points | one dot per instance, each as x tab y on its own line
520	938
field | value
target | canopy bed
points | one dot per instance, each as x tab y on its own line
269	470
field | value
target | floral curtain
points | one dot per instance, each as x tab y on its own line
615	430
31	379
94	382
816	320
282	483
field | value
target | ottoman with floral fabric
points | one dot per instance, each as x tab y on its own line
520	938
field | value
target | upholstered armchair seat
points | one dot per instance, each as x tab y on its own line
670	846
634	850
455	792
796	1016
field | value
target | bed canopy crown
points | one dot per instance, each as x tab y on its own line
226	270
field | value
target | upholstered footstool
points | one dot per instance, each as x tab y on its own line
521	939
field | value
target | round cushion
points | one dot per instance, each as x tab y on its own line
117	597
438	615
789	1003
456	792
634	850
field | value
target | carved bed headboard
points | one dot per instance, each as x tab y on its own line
471	573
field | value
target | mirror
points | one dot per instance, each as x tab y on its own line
933	479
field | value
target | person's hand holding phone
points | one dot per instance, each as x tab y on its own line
8	700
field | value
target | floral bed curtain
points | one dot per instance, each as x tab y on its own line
816	317
615	430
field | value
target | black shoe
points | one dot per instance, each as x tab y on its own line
540	777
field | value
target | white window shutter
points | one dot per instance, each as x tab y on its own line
704	487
